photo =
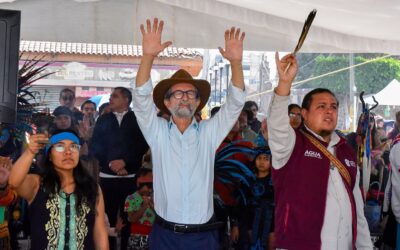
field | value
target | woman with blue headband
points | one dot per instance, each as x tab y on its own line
66	207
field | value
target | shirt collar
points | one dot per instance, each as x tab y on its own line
120	113
194	123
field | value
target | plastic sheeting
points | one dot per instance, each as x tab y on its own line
340	25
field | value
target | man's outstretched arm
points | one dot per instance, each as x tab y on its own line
282	137
223	121
143	105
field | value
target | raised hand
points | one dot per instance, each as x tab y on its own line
233	45
36	142
151	44
286	77
85	128
5	165
234	53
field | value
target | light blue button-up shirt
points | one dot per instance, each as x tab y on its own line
183	164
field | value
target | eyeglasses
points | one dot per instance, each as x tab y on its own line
191	94
67	98
61	148
294	115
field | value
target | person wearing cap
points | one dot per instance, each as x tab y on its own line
183	150
63	119
66	208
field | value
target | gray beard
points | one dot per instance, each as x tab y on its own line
182	112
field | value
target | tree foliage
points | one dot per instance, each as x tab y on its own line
370	77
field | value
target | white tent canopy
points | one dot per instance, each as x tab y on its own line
340	25
388	95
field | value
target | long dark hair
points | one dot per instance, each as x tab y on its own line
86	187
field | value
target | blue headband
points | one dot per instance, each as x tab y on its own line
62	136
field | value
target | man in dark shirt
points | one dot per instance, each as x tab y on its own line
253	122
118	145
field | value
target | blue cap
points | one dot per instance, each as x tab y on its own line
62	136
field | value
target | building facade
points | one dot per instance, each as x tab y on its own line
95	69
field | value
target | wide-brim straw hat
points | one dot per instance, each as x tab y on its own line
181	76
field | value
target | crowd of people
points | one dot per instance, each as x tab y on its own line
146	171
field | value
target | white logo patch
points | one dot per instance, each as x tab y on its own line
350	163
313	154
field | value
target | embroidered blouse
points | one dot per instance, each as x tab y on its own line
56	224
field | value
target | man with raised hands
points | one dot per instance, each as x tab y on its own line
183	150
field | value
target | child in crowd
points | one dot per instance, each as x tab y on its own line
262	202
139	207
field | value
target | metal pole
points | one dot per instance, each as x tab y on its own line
220	83
261	79
351	92
215	84
227	79
209	99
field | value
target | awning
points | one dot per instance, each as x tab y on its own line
340	26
